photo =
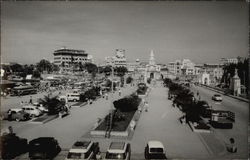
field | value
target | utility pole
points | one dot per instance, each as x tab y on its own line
111	104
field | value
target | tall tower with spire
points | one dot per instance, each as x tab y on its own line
152	58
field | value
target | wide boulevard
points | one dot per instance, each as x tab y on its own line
161	122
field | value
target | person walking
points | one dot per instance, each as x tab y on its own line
120	92
146	106
30	100
231	147
106	95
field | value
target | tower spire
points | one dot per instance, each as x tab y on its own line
152	58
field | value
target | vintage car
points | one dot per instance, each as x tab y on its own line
155	150
16	114
118	150
83	150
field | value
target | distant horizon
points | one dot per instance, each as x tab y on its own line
203	32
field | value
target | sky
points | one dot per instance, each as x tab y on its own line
201	31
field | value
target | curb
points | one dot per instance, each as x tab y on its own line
44	121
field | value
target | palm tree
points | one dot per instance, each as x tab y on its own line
53	104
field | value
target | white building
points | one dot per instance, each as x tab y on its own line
175	67
152	69
188	67
226	61
118	60
65	58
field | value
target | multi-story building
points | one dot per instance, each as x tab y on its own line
187	67
64	58
226	61
175	67
118	60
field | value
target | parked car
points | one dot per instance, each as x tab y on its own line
155	150
32	110
217	97
41	107
73	97
118	150
12	146
83	150
16	114
43	148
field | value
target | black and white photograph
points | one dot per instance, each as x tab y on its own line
124	80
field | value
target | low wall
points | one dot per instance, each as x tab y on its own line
198	130
49	118
125	133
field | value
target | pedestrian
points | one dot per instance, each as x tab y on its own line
100	92
10	130
87	100
106	95
231	147
22	103
146	106
30	100
120	92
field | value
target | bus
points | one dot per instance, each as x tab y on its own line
23	90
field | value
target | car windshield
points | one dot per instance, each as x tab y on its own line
156	150
115	155
216	95
74	155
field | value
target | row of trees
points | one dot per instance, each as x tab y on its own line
184	99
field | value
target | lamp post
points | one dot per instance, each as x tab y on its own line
111	100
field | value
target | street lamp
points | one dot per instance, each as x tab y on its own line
111	101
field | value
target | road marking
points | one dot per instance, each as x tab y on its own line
164	115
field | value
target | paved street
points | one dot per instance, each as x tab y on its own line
239	131
159	123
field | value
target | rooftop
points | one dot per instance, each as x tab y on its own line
155	144
117	147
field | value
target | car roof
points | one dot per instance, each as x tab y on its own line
42	140
155	144
29	106
16	109
81	146
117	147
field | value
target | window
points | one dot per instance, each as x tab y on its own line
73	155
115	155
156	150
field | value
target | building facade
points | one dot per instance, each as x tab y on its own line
153	71
118	60
226	61
65	58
